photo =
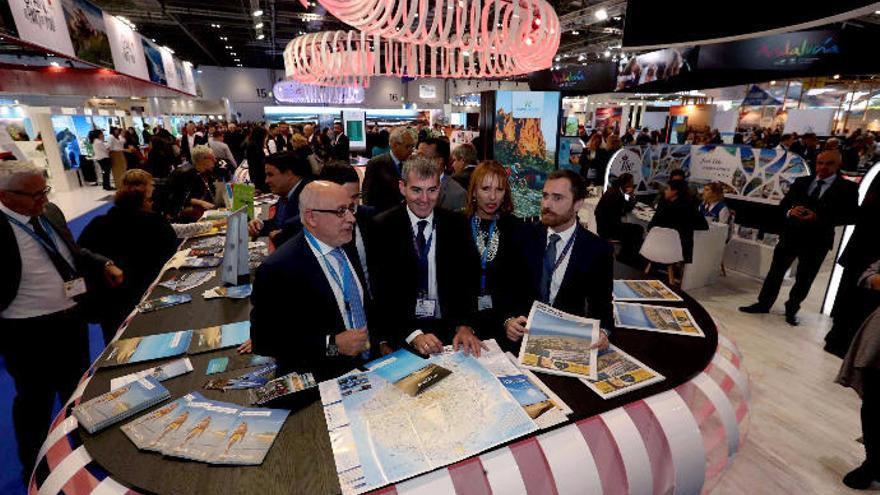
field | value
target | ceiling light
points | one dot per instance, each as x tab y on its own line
229	47
238	60
877	12
575	33
259	25
558	58
239	65
607	53
258	13
601	14
580	58
233	54
199	71
772	83
261	36
836	76
54	64
153	40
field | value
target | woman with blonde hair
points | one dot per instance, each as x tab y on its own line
494	234
138	240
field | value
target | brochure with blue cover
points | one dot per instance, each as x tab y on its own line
145	430
118	404
219	337
250	439
206	436
138	349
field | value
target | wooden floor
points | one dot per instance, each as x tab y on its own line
803	426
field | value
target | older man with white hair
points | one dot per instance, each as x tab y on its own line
384	171
44	277
312	272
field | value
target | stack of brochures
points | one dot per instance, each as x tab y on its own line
120	403
162	372
199	429
281	386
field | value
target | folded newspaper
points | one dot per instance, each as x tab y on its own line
663	319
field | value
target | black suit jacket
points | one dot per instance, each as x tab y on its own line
289	225
88	264
837	206
394	275
340	150
184	145
610	211
586	285
381	183
294	310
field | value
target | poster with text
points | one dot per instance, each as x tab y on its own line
526	139
189	82
42	22
170	71
155	65
126	47
85	23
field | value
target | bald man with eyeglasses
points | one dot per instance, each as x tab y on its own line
310	303
45	342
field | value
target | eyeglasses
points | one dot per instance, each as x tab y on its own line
339	212
34	196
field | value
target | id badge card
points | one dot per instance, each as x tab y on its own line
75	287
484	302
425	308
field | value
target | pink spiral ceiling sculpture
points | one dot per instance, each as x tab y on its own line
454	39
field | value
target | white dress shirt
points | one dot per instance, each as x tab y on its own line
116	144
723	215
559	273
432	262
41	288
323	255
826	183
99	149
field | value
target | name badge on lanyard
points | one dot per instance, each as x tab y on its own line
426	308
75	287
484	301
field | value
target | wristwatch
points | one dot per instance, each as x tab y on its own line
332	350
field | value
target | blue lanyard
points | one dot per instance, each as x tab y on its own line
346	290
564	252
53	247
485	254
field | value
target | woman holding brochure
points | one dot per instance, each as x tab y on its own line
494	231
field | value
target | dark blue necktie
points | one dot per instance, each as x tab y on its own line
423	258
549	264
280	209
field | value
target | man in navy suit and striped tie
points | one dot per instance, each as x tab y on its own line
310	302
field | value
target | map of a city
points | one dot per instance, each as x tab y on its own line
381	435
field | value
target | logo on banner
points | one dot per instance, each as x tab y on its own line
527	105
128	50
568	79
37	12
805	51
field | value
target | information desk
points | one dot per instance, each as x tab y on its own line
677	436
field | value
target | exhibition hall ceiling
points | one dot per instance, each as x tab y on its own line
227	33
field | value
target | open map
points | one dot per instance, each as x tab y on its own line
383	431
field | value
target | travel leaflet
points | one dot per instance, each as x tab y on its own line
559	343
163	302
643	290
137	349
620	373
145	430
162	372
251	437
662	319
219	337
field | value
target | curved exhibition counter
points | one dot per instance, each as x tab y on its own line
675	436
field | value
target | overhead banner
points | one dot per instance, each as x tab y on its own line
42	23
189	81
126	47
754	174
85	23
155	64
796	51
7	23
597	77
659	65
171	74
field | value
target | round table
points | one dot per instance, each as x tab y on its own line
676	436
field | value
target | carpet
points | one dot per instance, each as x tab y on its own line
10	467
